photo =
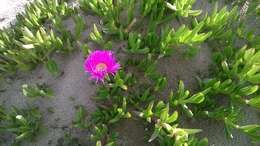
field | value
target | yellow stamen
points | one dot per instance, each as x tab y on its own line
101	67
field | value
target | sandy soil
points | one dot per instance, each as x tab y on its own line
9	9
74	88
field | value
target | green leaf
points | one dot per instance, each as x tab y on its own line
248	90
52	67
225	67
148	113
96	35
196	98
252	131
120	82
195	12
160	83
255	102
24	124
250	128
98	143
192	131
79	121
181	89
36	91
254	78
170	6
164	113
228	131
249	53
80	26
173	117
160	106
28	46
155	134
252	70
187	111
203	142
28	33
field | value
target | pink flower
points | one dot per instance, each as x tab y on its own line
100	63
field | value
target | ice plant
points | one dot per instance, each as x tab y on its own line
101	63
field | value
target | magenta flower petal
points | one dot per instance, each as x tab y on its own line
101	63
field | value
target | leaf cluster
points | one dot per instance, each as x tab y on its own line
24	124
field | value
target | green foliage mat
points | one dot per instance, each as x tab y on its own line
146	26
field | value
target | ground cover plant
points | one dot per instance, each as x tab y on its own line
130	86
27	42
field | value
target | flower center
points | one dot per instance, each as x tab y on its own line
101	67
